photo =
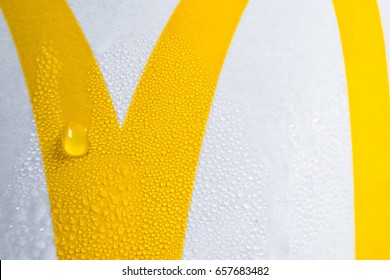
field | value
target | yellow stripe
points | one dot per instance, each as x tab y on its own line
43	20
129	196
366	69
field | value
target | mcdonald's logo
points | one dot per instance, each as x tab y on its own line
243	129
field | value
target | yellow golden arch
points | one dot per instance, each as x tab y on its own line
124	192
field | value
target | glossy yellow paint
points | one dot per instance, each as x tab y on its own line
368	91
129	196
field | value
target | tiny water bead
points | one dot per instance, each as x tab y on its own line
74	139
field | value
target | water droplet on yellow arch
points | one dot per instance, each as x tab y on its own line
74	140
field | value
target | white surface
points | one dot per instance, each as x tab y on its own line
290	151
275	174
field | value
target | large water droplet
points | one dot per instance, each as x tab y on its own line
74	140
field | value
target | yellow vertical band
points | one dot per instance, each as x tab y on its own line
129	196
35	27
368	91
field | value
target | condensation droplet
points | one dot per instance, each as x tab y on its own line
74	140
